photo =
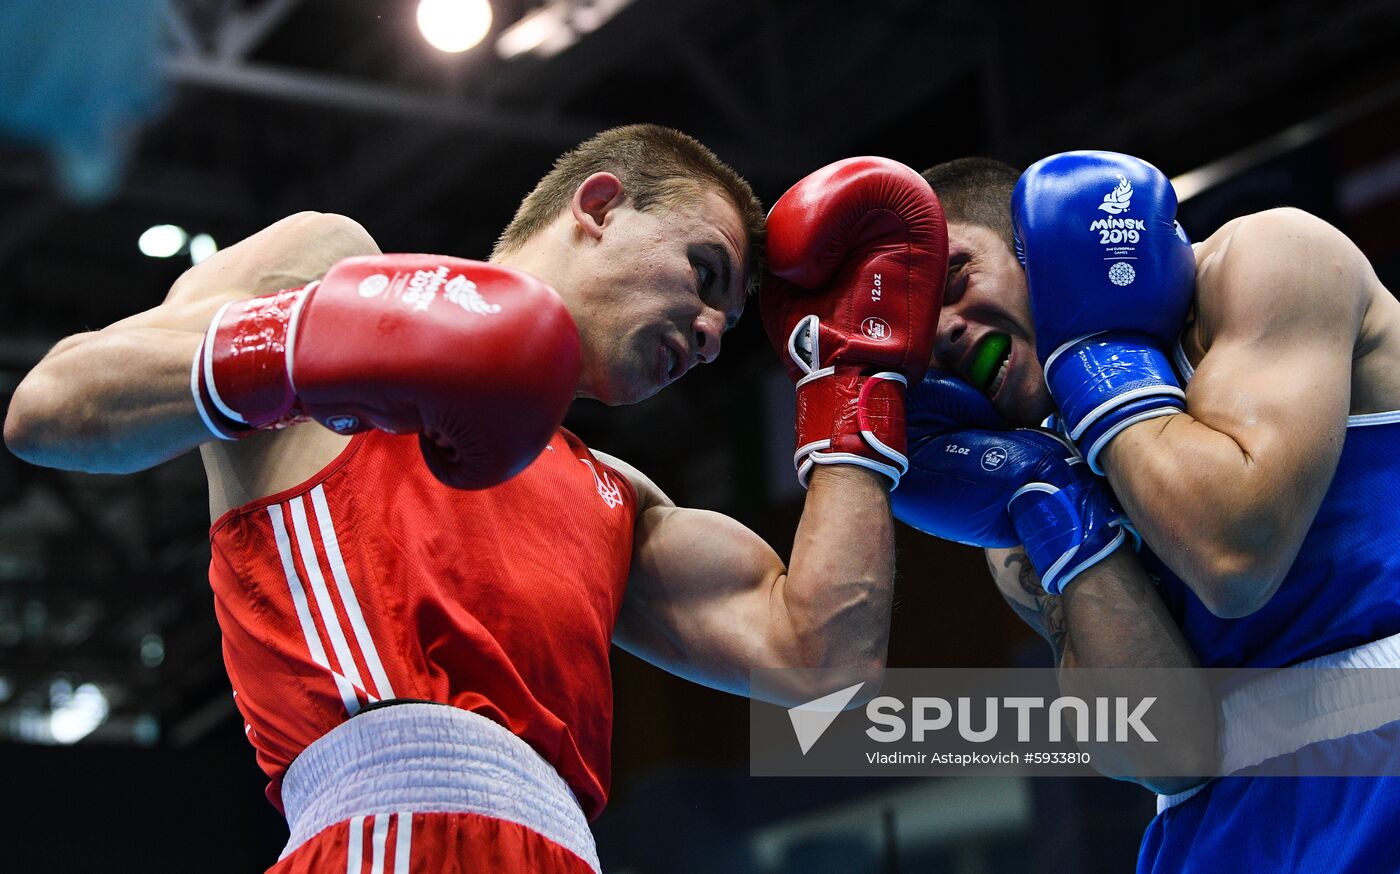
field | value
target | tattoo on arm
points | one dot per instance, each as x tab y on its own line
1048	616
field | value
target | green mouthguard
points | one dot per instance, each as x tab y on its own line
986	359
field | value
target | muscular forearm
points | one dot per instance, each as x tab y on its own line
1210	509
834	603
1115	619
113	401
1112	617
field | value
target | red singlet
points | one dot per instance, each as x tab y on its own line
373	581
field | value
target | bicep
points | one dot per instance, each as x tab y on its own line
1280	304
700	596
1282	307
1282	402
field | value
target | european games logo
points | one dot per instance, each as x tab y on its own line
1119	199
1122	273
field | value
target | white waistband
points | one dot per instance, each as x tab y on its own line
430	758
1317	700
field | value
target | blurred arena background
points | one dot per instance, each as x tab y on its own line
119	741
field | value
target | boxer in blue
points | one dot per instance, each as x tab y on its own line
1239	402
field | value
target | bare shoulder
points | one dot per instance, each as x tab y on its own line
1280	269
1289	276
1278	243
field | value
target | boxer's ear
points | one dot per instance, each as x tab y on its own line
594	198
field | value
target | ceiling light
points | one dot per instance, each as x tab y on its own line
76	717
201	247
162	241
454	25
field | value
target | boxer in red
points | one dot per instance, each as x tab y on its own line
401	524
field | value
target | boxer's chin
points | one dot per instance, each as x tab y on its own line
618	397
627	390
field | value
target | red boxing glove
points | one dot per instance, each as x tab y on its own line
481	361
857	259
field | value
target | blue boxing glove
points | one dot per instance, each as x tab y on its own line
1111	275
971	482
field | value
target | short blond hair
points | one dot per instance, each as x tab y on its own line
658	167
